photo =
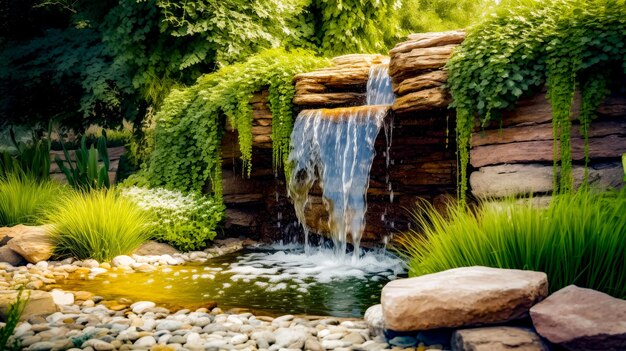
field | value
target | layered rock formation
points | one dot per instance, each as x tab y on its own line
517	157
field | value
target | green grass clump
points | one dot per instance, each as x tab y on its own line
99	224
24	199
579	239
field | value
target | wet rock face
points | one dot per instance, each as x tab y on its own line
582	319
461	297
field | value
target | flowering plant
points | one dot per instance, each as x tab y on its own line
186	221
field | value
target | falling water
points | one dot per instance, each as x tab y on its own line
336	148
379	90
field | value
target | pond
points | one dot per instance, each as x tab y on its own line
274	280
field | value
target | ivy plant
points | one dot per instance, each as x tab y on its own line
524	44
191	121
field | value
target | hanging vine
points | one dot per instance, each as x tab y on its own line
191	121
526	44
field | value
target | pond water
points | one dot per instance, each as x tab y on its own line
273	280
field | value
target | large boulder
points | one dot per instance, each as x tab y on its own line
153	248
39	303
11	257
459	297
32	242
499	338
582	319
374	319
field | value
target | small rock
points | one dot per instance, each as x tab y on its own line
403	341
312	344
169	324
374	319
123	261
497	339
152	248
263	339
139	307
238	339
145	342
62	298
354	338
332	344
288	337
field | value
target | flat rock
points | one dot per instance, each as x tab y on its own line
39	303
423	100
31	242
459	297
153	248
497	339
582	319
514	179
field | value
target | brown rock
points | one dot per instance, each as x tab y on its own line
330	99
515	179
582	319
497	339
419	59
153	248
32	243
424	81
424	100
39	303
11	257
428	40
458	297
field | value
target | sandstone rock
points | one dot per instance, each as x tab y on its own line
612	146
330	99
153	248
419	59
32	242
39	303
497	339
509	180
428	40
424	100
582	319
62	298
424	81
374	319
461	297
11	257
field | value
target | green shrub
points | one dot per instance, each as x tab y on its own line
31	158
186	221
579	239
23	199
99	225
13	317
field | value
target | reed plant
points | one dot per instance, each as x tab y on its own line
580	238
99	224
24	199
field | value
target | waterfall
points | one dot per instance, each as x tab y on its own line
379	91
335	148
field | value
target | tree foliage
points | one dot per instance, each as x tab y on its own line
565	44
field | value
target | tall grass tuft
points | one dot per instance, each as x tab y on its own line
579	239
23	199
99	225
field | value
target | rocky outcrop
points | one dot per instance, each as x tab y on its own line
516	157
459	297
416	67
582	319
31	242
341	84
497	339
153	248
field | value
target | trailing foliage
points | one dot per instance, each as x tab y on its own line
24	199
99	224
190	123
420	16
83	171
578	240
12	319
565	44
187	222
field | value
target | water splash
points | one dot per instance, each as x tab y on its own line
335	147
379	90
